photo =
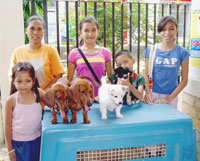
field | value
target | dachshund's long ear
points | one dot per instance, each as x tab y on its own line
49	97
67	90
92	90
74	92
69	93
77	92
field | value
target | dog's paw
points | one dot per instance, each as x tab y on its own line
129	102
135	101
73	121
54	121
65	121
87	121
104	117
119	115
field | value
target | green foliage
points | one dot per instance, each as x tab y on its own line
109	22
28	12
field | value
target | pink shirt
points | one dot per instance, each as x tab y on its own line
26	121
97	62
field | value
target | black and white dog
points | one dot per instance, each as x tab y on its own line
121	72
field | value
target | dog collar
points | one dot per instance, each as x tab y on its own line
134	76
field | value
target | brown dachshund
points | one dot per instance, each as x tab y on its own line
56	97
81	95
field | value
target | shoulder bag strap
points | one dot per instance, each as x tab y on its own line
152	53
89	66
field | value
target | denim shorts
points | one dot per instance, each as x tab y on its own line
27	150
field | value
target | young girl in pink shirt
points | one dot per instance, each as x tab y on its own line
23	114
98	57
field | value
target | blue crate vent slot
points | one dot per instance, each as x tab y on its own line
122	154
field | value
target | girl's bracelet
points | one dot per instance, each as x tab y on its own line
11	151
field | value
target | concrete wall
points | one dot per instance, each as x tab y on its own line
191	106
191	95
11	36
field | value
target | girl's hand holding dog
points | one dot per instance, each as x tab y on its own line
124	82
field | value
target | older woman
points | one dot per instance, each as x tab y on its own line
43	57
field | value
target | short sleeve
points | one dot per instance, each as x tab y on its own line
146	52
56	65
72	56
184	55
107	54
112	78
141	80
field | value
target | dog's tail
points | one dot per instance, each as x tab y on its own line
103	80
86	77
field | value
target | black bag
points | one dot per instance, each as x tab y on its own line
89	66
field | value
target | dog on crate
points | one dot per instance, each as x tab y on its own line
81	96
125	73
111	98
56	98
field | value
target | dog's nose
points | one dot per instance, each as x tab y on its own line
120	103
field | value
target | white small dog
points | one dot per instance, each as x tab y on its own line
111	98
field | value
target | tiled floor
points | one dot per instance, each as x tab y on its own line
3	153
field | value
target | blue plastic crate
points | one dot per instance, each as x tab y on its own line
146	133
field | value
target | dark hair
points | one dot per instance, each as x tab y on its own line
124	52
164	20
86	20
35	17
25	66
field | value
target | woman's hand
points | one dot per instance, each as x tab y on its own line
148	98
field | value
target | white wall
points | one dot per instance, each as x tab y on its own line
11	36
